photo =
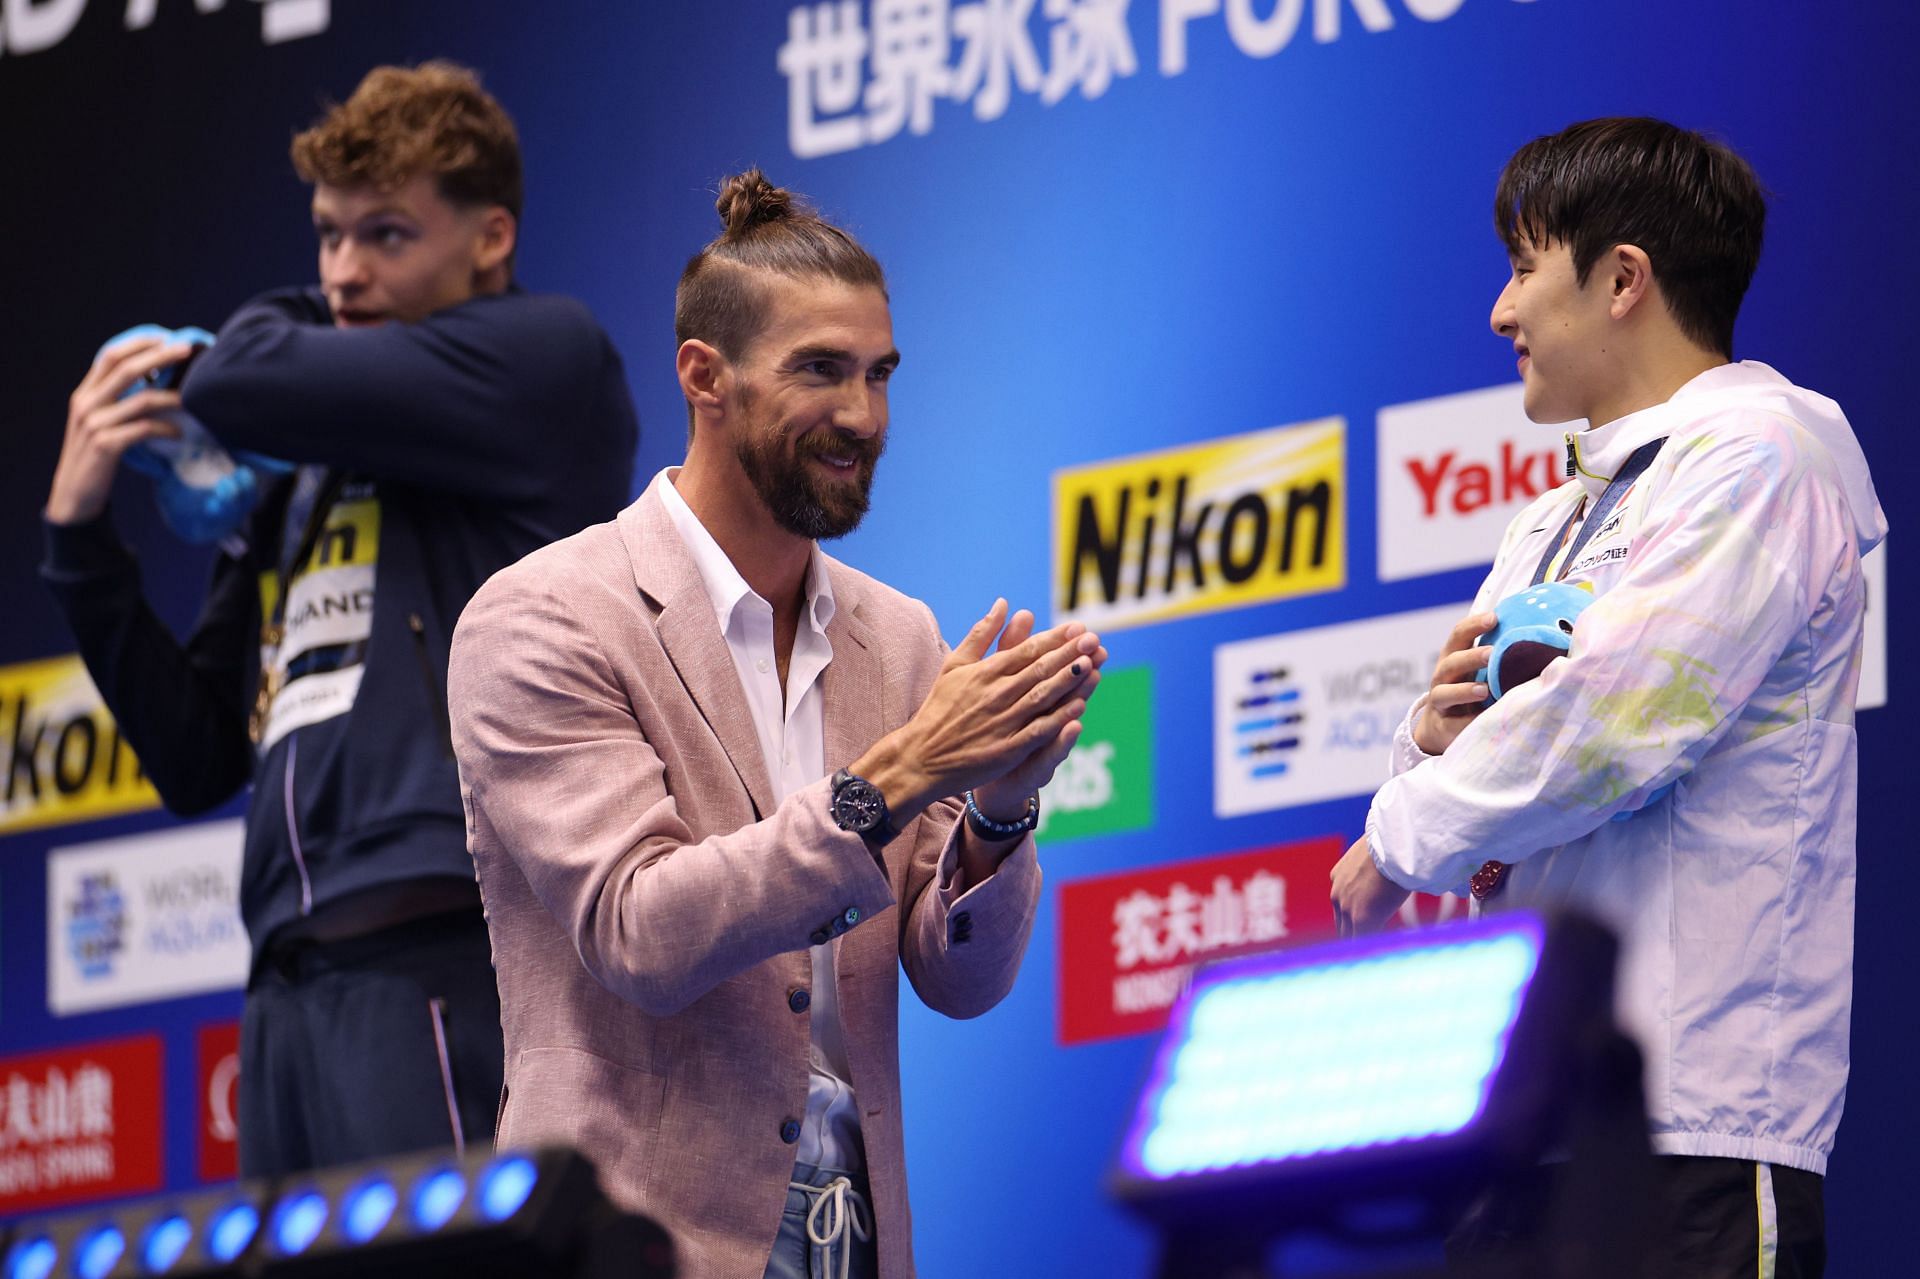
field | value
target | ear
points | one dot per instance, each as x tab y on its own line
1629	278
498	233
705	378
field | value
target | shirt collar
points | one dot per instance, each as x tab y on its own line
726	589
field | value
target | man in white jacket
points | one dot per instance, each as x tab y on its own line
1688	772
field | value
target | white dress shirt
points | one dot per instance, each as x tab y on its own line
793	744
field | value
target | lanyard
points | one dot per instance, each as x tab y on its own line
1636	462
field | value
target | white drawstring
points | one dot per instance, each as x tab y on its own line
837	1208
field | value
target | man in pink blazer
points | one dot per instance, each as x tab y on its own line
697	932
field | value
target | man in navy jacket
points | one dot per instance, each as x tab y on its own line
444	424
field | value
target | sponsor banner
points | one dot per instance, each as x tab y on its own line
145	917
78	1124
1309	715
1106	784
217	1056
1129	941
1221	524
1452	471
65	759
1873	656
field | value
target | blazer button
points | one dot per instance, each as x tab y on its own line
798	1001
851	916
819	937
790	1131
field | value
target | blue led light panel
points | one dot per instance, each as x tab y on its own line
1296	1055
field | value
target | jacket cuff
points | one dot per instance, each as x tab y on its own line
88	551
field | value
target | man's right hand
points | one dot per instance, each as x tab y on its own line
101	426
1455	697
985	715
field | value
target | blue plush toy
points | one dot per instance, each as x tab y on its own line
1532	628
204	493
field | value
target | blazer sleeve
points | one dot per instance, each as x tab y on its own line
558	775
962	951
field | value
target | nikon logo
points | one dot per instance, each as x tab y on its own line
65	759
1221	524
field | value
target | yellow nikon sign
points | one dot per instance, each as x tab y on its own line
65	760
1220	524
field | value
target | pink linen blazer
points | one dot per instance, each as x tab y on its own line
651	908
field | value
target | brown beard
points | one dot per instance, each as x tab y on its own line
800	500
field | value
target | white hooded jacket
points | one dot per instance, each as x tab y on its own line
1722	655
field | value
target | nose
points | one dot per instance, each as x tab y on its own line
862	409
342	269
1501	319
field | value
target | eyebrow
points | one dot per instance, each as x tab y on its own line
383	211
838	355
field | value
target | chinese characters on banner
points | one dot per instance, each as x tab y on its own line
857	79
1129	941
78	1124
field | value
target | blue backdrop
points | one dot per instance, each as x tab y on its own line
1196	251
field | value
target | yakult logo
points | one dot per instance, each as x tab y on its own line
1452	472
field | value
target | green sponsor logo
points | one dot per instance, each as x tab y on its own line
1106	785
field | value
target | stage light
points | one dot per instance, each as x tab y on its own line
1381	1046
297	1222
33	1259
482	1216
98	1252
164	1242
505	1185
232	1230
368	1208
1367	1086
437	1196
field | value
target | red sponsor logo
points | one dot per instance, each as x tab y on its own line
218	1053
1464	487
78	1124
1129	941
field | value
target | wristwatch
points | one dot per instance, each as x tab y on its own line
987	828
858	806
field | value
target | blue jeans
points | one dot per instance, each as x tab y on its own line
826	1231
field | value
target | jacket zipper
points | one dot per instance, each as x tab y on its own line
434	696
293	827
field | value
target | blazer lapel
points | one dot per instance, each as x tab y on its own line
853	687
666	573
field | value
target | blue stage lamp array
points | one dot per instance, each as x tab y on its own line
1407	1034
296	1222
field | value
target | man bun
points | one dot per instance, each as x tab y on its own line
748	200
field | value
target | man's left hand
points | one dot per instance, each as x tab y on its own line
1363	898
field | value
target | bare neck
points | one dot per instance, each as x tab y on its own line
771	560
1650	376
